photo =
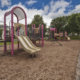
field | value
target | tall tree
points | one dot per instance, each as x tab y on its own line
59	23
38	20
73	23
78	23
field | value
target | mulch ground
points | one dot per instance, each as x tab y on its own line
57	60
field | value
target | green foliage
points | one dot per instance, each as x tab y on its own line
38	20
74	24
1	32
78	23
72	21
59	23
75	37
8	43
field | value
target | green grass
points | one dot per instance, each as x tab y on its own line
71	37
75	37
8	43
1	43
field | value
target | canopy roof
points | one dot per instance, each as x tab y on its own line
18	12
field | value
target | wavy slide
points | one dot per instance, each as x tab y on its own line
27	44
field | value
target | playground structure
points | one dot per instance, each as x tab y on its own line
37	34
27	45
19	27
58	36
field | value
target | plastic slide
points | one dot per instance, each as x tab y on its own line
26	46
29	43
68	38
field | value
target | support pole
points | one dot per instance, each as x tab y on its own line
25	24
32	34
42	37
12	34
34	26
39	32
18	32
51	35
5	48
54	34
34	30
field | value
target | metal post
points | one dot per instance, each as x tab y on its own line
18	31
54	34
34	26
5	48
42	37
39	32
12	34
32	34
25	24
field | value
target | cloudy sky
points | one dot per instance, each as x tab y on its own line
48	9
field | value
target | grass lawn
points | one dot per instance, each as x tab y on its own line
75	37
1	43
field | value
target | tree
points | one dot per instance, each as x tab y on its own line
74	23
78	23
38	20
59	23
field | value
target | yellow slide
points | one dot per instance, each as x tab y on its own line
27	46
68	38
29	42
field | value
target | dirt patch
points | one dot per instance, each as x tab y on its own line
53	62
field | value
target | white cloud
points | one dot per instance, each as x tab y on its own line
30	14
5	3
77	7
57	8
31	2
46	9
49	12
58	4
76	10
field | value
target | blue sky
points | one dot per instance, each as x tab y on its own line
39	4
48	9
